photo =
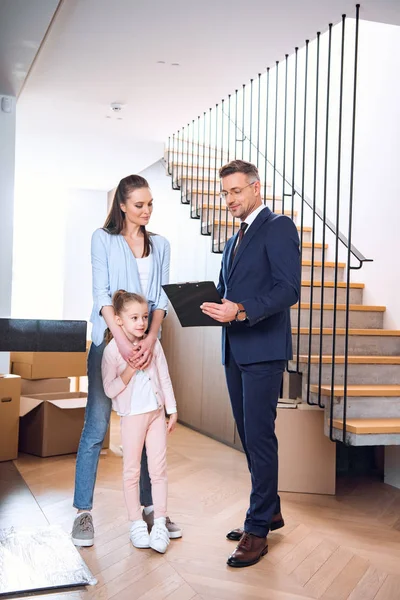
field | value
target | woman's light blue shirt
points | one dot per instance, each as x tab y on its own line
114	268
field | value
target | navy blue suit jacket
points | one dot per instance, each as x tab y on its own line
265	277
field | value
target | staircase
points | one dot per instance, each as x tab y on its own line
282	121
373	363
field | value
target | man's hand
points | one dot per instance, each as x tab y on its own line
143	353
224	313
172	420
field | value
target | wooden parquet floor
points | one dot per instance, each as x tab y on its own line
332	548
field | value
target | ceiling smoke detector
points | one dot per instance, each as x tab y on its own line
116	107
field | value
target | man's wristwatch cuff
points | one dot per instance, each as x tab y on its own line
241	313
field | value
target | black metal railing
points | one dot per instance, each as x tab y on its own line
296	140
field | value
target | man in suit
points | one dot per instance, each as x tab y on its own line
259	282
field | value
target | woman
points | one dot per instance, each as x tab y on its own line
124	256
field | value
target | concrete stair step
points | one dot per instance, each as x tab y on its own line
329	290
381	342
360	370
307	232
360	317
360	390
368	432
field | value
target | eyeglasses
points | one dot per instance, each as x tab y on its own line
235	193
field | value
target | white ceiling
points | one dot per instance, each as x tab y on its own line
23	25
99	51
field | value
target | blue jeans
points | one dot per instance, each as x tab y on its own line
97	419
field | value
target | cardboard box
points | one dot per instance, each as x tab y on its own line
10	391
51	424
307	458
45	386
48	365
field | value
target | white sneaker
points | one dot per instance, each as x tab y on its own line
159	536
139	535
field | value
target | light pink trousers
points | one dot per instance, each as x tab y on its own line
137	430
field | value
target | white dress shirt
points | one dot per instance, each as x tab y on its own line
250	219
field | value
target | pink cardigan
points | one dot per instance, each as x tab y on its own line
113	365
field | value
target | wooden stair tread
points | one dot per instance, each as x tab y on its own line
359	390
309	230
223	222
331	284
352	307
369	426
353	360
217	193
342	331
224	208
184	165
206	179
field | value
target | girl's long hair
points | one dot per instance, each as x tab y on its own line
115	220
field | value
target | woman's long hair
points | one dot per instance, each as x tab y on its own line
115	221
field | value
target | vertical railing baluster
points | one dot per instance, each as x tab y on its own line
314	201
191	174
228	160
187	156
243	117
338	194
209	174
258	120
214	214
197	167
275	132
294	130
173	161
203	171
321	323
236	120
169	156
350	230
284	136
251	119
221	163
266	138
303	169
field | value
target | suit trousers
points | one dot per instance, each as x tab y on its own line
254	391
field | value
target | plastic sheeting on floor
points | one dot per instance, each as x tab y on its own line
40	559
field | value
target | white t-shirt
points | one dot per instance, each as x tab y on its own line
143	399
144	265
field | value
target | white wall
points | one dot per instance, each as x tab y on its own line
39	245
85	211
7	164
377	183
52	269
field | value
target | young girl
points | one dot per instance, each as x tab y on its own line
139	397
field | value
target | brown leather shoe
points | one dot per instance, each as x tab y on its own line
248	551
276	523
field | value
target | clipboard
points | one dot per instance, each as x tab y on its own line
186	299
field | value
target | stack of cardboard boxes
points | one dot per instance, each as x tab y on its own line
38	412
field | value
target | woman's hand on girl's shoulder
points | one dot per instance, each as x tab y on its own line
143	354
125	348
172	421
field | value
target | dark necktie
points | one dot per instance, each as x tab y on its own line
243	227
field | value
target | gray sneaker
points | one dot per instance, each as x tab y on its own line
83	530
174	531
